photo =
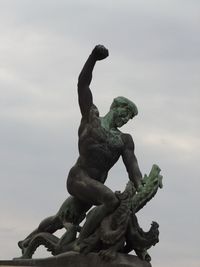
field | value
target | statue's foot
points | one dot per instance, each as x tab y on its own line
23	244
108	254
24	257
26	254
147	257
76	247
85	249
143	255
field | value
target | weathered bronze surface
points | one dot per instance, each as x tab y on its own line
111	226
74	259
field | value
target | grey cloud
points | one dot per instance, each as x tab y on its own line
154	60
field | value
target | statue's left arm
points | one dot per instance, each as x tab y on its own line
130	161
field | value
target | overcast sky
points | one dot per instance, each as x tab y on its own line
154	60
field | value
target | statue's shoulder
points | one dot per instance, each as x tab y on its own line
94	112
92	120
127	139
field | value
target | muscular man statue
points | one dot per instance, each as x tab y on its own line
101	144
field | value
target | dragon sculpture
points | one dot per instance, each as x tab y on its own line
118	232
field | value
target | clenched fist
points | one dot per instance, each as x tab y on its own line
100	52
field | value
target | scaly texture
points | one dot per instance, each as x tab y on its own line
148	190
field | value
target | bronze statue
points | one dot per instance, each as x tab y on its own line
107	240
112	225
101	144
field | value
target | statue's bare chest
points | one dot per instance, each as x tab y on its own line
98	141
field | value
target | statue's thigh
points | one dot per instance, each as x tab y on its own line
90	190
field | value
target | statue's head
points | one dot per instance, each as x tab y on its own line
123	110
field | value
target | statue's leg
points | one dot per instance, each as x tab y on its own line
49	225
66	241
92	192
48	240
73	210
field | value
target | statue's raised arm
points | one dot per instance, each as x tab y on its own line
85	77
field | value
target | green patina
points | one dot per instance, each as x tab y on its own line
111	226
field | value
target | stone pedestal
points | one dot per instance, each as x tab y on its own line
73	259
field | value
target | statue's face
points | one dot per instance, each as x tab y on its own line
121	116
